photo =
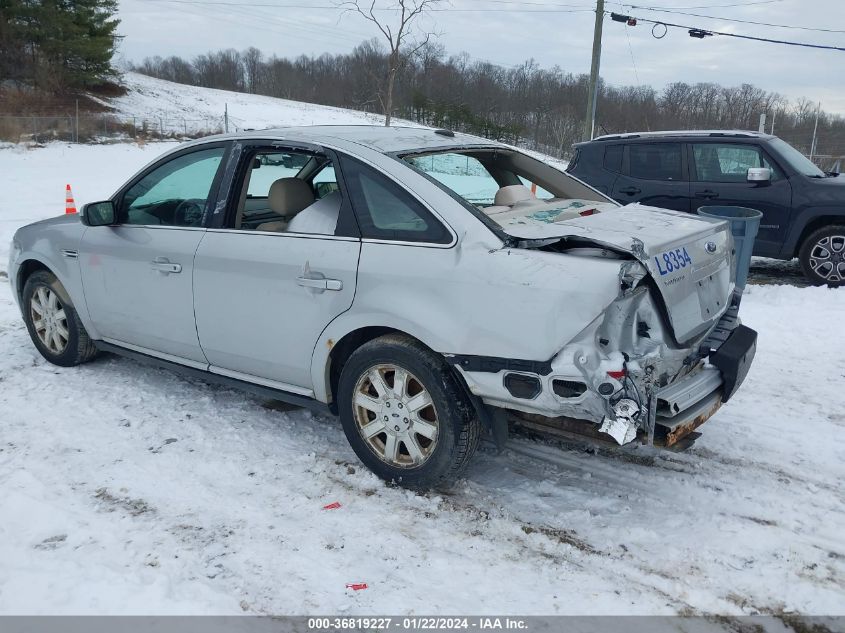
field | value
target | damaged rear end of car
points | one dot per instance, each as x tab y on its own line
648	299
661	358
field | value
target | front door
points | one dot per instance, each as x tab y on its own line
281	267
137	275
653	174
720	178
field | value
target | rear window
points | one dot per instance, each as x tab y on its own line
655	161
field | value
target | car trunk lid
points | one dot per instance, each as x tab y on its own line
689	257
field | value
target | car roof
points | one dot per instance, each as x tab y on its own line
624	136
387	140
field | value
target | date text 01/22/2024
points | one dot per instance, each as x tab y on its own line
416	623
672	261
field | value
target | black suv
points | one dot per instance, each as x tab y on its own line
803	207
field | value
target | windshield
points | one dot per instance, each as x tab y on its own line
509	187
796	159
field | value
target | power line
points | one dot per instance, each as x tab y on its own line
701	33
712	17
631	50
338	7
733	5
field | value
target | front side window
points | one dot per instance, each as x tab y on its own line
655	161
175	193
715	162
386	211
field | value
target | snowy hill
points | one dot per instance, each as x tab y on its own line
178	106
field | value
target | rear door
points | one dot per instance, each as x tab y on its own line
137	275
719	172
263	294
654	174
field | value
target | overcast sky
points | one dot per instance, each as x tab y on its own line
553	32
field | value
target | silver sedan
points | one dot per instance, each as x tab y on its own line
426	287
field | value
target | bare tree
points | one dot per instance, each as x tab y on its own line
396	35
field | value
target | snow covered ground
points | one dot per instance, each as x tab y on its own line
130	490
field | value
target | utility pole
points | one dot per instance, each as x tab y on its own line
815	131
593	89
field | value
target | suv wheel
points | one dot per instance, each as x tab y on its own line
822	256
53	323
405	414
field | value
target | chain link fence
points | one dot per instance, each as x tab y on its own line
103	128
89	128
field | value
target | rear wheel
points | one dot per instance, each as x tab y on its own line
822	256
404	413
53	323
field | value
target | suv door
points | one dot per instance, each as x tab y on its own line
719	172
263	293
137	275
653	174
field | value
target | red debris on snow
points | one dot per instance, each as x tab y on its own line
332	506
356	586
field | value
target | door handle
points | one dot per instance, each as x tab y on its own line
630	190
320	284
165	266
706	194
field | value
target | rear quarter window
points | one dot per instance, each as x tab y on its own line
613	158
386	211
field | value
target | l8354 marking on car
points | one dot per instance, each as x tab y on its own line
673	260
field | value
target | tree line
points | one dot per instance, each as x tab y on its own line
542	108
56	45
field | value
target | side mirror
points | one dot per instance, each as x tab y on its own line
759	174
99	214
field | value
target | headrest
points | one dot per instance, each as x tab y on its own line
288	196
510	195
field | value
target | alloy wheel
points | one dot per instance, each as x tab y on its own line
49	319
395	416
827	258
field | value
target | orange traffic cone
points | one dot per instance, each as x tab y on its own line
70	205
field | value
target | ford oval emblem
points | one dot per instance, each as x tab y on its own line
710	247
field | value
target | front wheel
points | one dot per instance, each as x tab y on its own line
404	413
53	323
822	256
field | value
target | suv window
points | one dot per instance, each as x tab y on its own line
655	161
613	158
175	193
728	162
386	211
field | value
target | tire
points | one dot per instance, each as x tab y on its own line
822	256
62	340
428	447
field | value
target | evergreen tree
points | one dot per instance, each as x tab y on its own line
58	45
